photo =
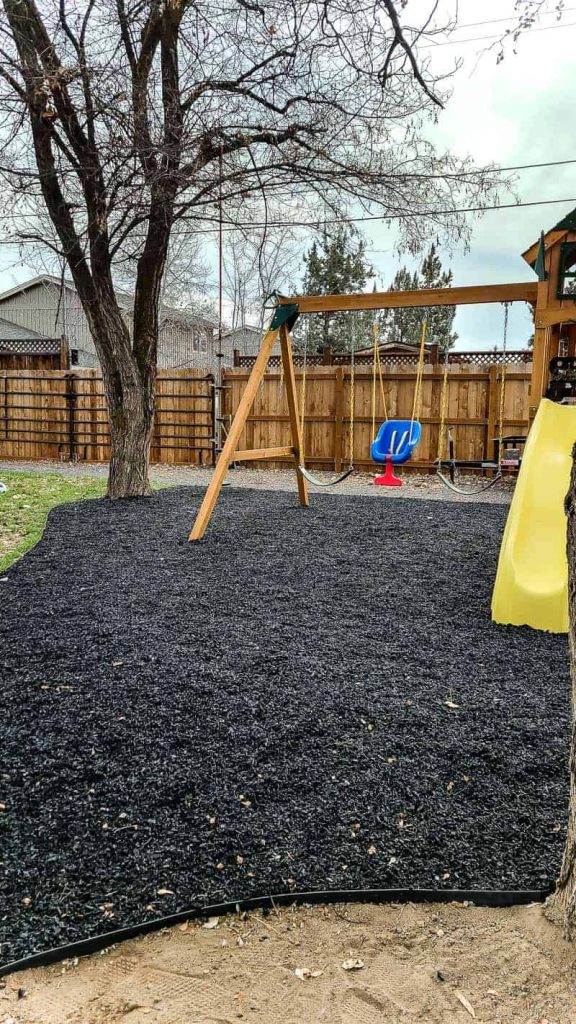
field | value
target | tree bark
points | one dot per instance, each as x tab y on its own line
129	386
131	426
561	906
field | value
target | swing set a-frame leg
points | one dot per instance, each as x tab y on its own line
230	447
231	443
290	385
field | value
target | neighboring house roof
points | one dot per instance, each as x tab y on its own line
17	339
242	329
125	300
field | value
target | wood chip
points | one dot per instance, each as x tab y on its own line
465	1003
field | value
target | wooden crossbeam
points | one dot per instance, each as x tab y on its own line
521	292
263	453
550	317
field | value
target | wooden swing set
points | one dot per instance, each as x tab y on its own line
283	320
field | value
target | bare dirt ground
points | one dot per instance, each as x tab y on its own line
414	485
440	964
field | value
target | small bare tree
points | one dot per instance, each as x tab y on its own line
255	265
120	115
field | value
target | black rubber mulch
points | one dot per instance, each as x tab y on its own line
269	708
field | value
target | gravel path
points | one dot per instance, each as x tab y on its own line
414	486
309	699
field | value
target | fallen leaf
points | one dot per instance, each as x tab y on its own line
183	927
371	851
239	859
164	892
451	704
450	786
465	1003
212	922
493	992
353	964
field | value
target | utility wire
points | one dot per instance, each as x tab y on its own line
478	39
229	226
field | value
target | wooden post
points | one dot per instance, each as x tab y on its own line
290	385
339	417
236	427
539	381
64	353
491	412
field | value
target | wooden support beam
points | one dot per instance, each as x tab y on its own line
245	455
551	317
521	292
291	396
236	427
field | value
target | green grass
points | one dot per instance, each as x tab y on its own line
26	504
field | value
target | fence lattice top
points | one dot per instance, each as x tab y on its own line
483	358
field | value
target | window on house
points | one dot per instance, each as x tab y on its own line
567	271
73	357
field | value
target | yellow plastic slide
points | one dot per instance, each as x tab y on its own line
531	586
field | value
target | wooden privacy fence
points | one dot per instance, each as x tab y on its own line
51	414
472	411
54	414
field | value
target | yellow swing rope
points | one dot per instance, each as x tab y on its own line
377	368
419	373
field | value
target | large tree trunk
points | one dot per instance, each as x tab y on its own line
131	427
130	387
562	905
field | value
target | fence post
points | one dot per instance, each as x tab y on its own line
236	354
326	355
5	406
491	411
338	416
71	404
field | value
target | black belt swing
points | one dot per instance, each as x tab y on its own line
347	472
453	465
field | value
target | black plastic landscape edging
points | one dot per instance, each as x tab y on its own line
478	897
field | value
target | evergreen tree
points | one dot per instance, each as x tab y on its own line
336	265
404	326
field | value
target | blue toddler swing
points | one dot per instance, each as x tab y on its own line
396	439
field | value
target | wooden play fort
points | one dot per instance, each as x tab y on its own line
553	300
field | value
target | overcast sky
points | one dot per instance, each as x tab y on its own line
516	112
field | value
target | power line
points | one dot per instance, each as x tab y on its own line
513	17
477	39
394	216
293	193
229	226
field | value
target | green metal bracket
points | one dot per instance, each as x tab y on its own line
287	314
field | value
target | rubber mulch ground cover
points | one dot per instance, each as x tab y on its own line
309	699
